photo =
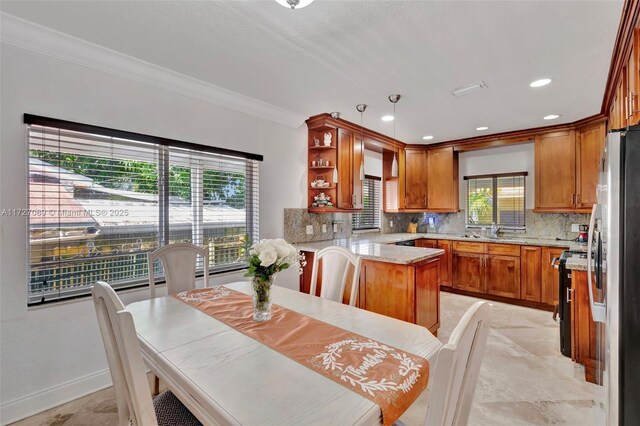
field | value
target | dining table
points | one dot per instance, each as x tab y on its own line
225	377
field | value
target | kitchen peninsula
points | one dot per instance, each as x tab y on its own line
396	281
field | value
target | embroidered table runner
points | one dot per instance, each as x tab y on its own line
389	377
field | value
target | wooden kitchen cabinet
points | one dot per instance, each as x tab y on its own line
446	263
531	273
393	187
550	275
555	177
427	294
589	144
424	242
442	180
415	179
502	276
350	164
468	272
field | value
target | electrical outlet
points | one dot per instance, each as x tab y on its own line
432	221
324	228
309	229
390	224
575	227
335	227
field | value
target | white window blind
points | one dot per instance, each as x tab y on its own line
369	217
498	199
98	204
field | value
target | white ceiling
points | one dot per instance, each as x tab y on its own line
333	55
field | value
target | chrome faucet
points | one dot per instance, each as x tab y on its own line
494	230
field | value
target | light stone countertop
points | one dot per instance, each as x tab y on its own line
381	247
576	263
370	249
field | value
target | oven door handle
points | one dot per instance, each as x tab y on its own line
598	310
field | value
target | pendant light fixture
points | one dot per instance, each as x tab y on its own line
394	164
294	4
361	108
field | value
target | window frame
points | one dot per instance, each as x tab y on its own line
164	147
494	209
377	209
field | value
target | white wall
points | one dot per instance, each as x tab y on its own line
372	163
507	159
54	353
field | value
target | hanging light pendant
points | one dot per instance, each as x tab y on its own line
394	164
361	109
294	4
335	174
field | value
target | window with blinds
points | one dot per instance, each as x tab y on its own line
100	200
498	199
369	217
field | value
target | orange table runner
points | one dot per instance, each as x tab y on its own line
389	377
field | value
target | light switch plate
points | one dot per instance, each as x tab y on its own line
309	229
575	227
324	228
335	227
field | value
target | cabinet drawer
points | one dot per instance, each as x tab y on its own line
468	247
504	249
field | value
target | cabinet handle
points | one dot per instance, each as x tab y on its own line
569	291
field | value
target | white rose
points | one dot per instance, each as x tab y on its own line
282	247
257	247
268	256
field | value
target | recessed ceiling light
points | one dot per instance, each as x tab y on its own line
427	138
540	83
551	116
387	118
482	128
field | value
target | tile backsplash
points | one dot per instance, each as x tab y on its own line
538	225
296	221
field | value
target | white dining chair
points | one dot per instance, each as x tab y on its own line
337	262
179	263
133	398
457	369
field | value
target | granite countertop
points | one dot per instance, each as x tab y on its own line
381	246
576	263
369	249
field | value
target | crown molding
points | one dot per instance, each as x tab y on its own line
36	38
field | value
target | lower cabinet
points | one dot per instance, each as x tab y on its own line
550	275
468	271
446	263
502	275
531	273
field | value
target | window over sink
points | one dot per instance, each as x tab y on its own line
369	217
496	198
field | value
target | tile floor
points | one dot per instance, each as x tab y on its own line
524	379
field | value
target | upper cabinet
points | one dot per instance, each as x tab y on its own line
566	165
427	180
350	170
415	179
442	180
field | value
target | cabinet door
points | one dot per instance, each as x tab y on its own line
468	271
415	179
633	82
531	273
345	170
555	159
388	289
550	275
502	275
423	242
428	296
358	171
590	143
442	180
446	263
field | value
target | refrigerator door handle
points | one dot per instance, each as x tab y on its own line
598	309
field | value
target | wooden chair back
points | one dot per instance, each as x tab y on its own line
124	357
337	263
179	262
457	369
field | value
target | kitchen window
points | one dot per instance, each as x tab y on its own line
496	198
369	217
100	200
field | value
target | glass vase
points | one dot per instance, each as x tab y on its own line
261	297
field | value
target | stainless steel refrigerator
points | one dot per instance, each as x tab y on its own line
614	274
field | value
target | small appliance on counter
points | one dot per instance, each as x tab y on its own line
583	236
